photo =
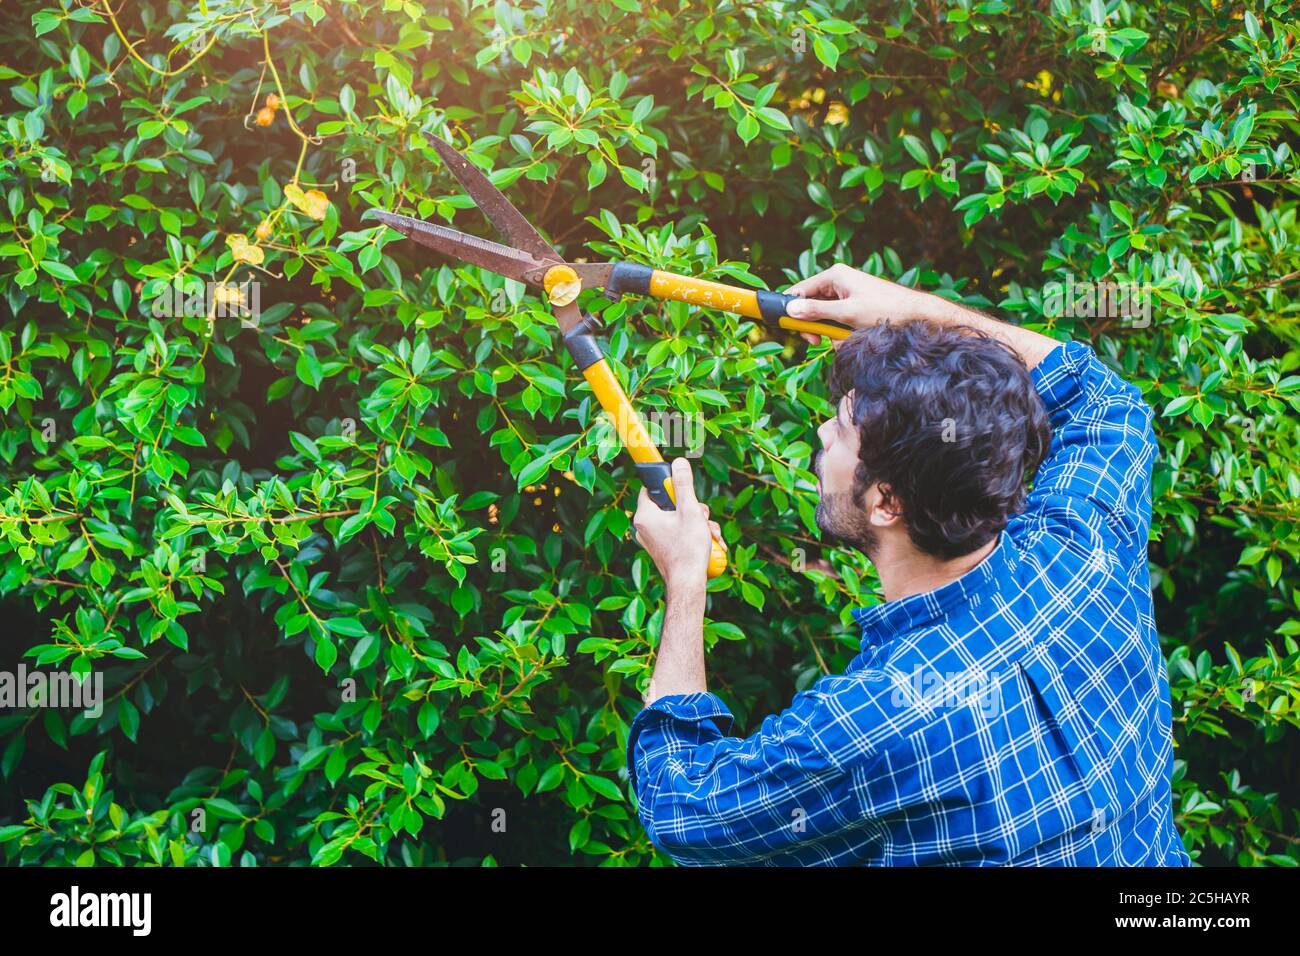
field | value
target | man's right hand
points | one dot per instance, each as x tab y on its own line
845	295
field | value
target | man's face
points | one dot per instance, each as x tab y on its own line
840	512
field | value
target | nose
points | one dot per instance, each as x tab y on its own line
823	431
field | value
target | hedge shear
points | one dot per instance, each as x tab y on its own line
530	259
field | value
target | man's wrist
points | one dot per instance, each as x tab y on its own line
927	305
684	597
686	587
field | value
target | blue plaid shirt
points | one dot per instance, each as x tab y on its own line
1019	714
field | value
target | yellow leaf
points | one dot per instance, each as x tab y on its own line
245	251
313	202
562	285
227	295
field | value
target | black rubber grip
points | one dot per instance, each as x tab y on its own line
630	277
772	305
653	474
581	343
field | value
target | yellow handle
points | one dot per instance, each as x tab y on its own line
632	432
713	295
817	328
751	303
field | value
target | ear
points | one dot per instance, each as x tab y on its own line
883	507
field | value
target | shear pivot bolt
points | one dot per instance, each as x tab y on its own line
562	285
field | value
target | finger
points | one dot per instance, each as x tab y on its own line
823	283
645	512
684	484
837	310
716	531
812	338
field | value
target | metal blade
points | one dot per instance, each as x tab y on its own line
566	316
508	220
460	245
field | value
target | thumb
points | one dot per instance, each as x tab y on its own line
837	310
683	483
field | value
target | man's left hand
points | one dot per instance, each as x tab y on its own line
678	541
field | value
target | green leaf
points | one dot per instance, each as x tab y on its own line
606	788
347	626
58	270
533	471
224	809
326	654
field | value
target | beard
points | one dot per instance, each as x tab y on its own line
844	520
842	517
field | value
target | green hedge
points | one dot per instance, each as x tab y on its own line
357	576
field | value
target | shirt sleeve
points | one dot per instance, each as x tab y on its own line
1095	481
707	798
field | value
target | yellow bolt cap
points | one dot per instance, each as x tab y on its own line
562	285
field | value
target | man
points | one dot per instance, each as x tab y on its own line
1010	702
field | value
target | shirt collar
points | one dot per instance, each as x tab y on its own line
889	619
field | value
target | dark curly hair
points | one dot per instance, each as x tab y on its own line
950	426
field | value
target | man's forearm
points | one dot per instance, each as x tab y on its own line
679	668
1030	346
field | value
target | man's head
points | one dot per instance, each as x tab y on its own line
936	427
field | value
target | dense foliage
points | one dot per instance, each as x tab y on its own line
356	574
